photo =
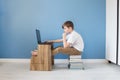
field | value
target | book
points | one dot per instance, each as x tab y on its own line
75	60
76	65
75	56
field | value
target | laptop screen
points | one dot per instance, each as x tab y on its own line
38	36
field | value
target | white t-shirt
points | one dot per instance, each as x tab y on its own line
75	40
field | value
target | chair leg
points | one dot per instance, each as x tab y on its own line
69	66
83	67
69	62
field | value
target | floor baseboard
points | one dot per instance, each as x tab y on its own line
56	60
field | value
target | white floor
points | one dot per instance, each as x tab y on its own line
93	71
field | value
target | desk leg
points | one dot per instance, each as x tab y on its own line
52	60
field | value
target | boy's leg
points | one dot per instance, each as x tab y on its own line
70	51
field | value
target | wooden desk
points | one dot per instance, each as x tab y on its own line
43	60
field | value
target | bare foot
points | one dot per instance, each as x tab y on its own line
34	53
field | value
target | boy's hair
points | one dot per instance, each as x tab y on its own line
68	24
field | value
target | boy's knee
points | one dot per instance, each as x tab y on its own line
57	50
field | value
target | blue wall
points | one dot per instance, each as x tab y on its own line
20	18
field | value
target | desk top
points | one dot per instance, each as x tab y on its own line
46	43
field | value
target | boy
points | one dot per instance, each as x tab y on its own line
72	41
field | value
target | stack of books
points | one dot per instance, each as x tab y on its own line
75	62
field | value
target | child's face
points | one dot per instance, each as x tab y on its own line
66	29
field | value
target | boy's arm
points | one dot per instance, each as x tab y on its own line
65	44
55	41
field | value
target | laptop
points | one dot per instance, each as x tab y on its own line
38	35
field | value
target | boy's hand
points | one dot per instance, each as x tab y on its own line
47	41
51	41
